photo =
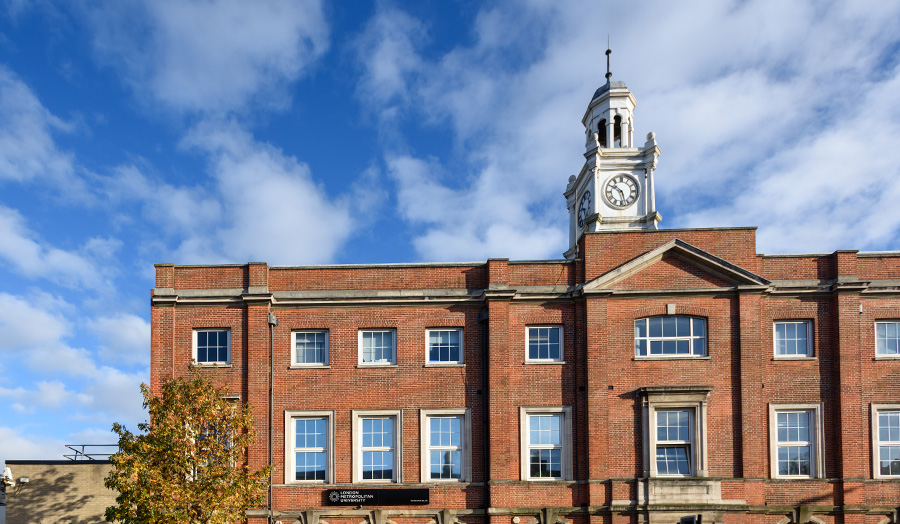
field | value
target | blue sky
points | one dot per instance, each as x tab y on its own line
140	132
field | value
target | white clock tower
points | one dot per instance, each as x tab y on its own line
615	188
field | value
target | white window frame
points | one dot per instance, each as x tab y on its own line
876	409
686	444
358	416
562	346
225	362
425	416
326	356
809	340
393	360
886	355
690	338
289	448
525	412
675	398
430	362
816	444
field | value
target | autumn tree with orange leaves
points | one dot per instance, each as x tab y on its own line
189	464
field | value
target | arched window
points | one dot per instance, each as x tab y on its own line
601	132
670	336
617	131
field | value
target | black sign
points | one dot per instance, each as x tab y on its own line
377	497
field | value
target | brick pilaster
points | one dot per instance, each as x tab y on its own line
753	429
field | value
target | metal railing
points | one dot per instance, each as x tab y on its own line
91	451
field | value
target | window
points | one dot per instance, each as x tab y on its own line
673	442
310	348
376	445
308	446
546	443
212	346
545	343
446	455
673	336
887	338
674	421
886	440
795	433
377	346
444	346
792	339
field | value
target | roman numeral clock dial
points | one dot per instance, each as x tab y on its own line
621	191
584	208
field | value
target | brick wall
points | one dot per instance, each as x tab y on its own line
599	377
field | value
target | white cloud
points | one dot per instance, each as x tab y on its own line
115	395
176	209
33	258
502	227
18	444
48	396
387	47
513	98
27	148
25	326
40	336
211	56
124	338
272	209
842	181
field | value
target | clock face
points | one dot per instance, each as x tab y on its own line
621	191
584	208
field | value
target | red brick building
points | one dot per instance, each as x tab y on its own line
651	375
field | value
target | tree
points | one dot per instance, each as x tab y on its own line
188	466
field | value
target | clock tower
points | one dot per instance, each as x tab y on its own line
614	189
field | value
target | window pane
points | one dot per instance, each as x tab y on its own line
443	346
544	429
655	326
544	343
641	347
310	347
673	425
640	328
445	464
546	463
889	426
309	466
212	346
889	460
700	327
672	460
683	326
378	465
456	431
668	326
670	336
378	346
700	346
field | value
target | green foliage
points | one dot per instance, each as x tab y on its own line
188	466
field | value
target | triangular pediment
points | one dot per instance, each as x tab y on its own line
706	269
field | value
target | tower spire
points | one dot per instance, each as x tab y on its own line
608	52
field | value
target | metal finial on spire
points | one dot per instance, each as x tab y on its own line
608	52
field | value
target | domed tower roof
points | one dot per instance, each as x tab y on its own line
618	84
